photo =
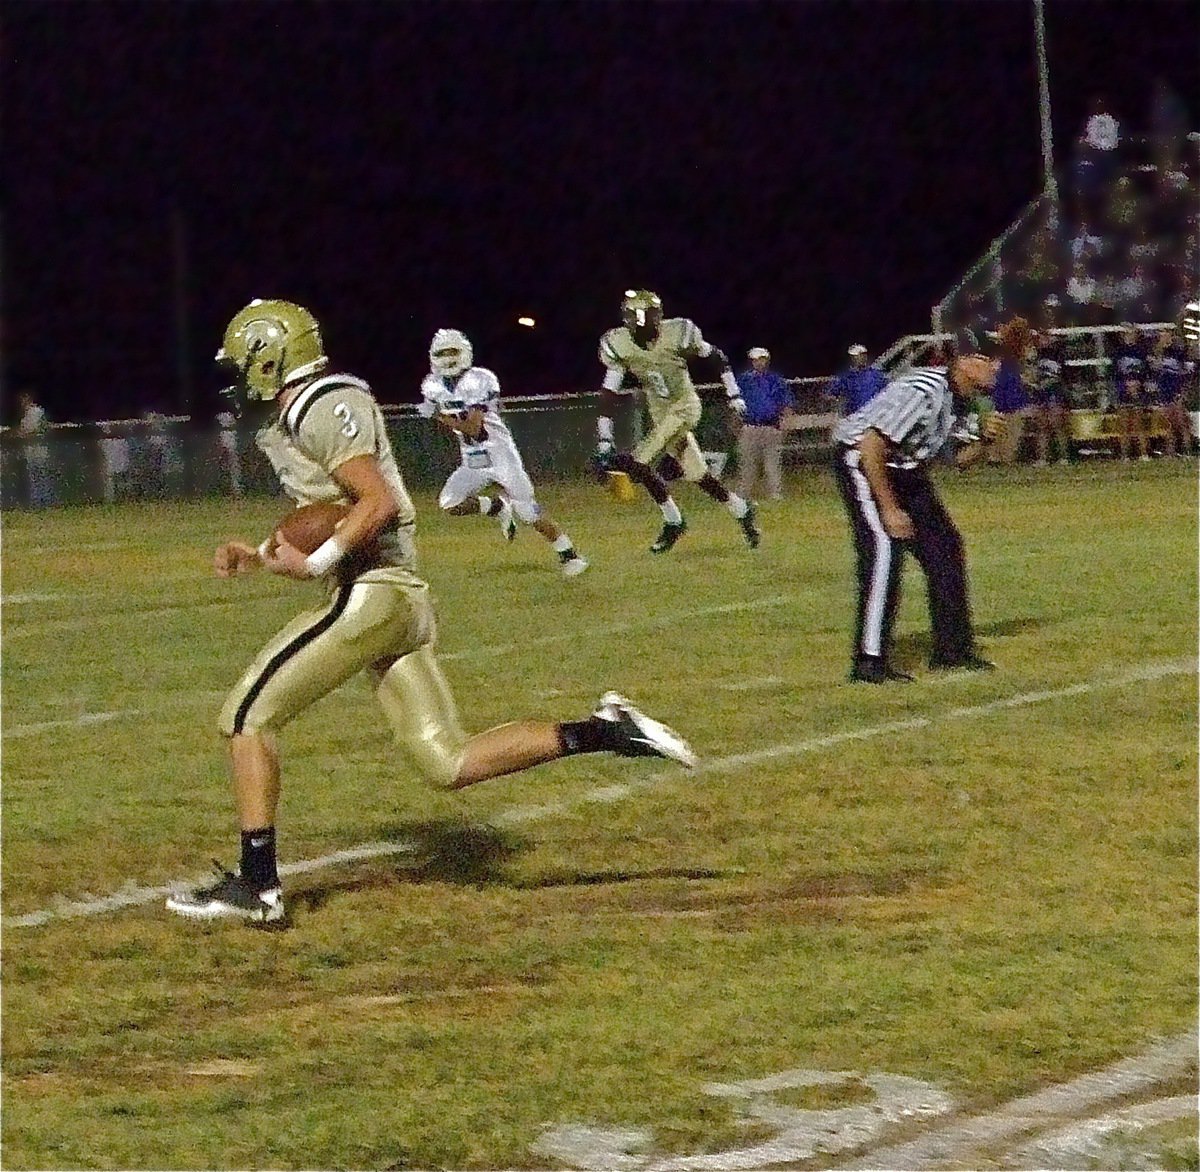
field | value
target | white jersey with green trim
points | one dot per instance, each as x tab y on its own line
475	387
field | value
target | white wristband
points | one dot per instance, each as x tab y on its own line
324	557
265	549
604	428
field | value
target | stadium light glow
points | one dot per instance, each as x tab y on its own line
527	322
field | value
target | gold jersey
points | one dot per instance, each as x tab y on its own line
661	368
332	420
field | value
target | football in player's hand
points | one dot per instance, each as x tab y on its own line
310	526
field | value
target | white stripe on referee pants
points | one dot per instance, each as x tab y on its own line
877	591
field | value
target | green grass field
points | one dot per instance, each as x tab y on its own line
985	882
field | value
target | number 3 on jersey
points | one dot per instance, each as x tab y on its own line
349	427
657	384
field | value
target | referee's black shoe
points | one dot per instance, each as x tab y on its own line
869	670
970	662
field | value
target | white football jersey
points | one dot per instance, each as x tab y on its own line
476	387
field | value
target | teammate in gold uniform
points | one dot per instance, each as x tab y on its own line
326	439
656	352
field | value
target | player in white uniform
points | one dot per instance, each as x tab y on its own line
466	400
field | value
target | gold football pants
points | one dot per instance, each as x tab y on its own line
670	434
381	626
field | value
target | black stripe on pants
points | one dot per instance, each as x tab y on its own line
937	546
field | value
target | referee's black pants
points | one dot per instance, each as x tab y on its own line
937	546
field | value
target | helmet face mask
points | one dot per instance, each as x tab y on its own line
642	313
268	346
450	353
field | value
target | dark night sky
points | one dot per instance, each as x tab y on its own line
797	175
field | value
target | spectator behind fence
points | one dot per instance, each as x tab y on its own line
31	429
1168	365
859	383
769	404
227	449
1129	386
1009	398
1168	126
114	454
163	467
1095	155
1050	402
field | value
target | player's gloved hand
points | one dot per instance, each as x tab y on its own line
738	406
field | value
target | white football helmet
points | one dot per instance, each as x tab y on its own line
450	353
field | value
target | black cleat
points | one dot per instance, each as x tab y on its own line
871	671
230	897
965	663
639	735
670	534
749	524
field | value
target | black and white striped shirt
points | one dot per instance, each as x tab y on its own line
915	411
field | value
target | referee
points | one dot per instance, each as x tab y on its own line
881	457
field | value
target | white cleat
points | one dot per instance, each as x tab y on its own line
573	567
641	735
508	523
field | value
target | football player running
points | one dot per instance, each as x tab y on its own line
466	400
656	351
325	437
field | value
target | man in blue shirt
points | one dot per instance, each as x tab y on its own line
859	383
769	402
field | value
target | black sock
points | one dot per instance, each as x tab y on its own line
646	477
258	858
715	489
593	735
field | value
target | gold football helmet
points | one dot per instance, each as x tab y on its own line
268	345
642	310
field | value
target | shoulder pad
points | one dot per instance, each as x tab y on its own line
477	385
685	332
293	417
609	343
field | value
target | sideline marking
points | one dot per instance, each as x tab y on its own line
484	652
1055	1122
1089	1141
132	895
952	1146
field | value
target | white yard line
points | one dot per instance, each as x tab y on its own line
642	624
485	652
133	895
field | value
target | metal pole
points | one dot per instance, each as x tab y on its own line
179	284
1049	184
